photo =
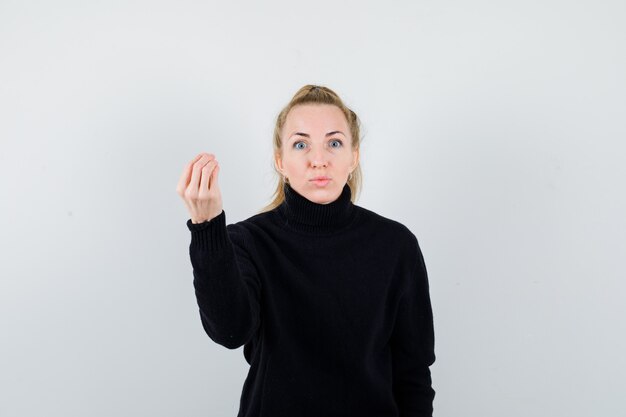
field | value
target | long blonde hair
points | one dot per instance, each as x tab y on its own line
314	94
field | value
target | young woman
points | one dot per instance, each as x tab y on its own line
330	300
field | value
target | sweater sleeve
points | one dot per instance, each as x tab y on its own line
413	346
225	281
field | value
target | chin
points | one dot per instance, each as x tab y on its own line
322	196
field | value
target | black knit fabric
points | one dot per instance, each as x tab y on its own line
330	302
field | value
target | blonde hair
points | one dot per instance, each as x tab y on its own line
314	94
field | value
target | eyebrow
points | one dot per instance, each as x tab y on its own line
306	135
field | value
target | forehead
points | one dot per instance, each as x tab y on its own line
315	117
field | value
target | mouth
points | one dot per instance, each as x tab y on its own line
320	181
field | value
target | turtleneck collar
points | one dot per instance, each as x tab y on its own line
303	215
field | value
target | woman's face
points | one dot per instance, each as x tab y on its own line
316	155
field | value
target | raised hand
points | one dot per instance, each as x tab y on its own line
198	187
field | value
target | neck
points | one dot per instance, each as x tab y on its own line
299	213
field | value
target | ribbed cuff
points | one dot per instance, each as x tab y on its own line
210	235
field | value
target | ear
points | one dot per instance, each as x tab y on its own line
356	157
278	162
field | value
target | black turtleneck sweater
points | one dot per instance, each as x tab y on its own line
330	302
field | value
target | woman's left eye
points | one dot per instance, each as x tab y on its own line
336	143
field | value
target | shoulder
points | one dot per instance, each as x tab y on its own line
375	220
254	225
396	241
259	220
386	227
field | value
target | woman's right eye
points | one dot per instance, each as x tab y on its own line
299	145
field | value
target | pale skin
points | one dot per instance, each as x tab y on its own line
199	188
316	143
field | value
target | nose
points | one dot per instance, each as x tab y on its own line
319	158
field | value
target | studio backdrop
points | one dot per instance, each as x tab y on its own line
494	130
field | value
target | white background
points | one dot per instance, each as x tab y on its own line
495	130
